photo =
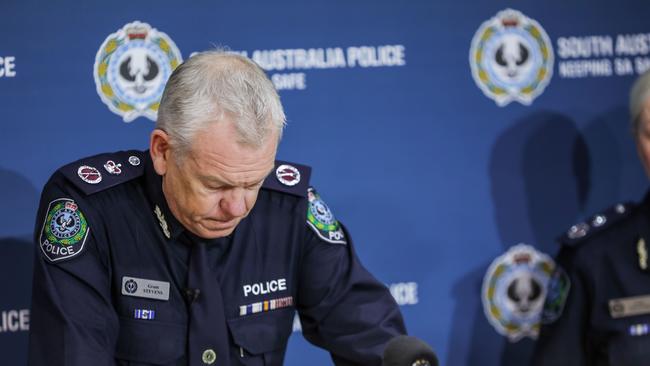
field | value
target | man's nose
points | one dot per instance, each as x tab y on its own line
233	203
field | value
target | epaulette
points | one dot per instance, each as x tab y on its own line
289	178
586	229
97	173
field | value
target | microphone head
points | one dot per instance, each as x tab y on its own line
408	351
191	294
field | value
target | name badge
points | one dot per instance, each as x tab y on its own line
629	306
140	287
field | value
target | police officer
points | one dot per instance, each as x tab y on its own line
597	310
200	250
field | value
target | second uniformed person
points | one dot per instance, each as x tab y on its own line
597	310
199	250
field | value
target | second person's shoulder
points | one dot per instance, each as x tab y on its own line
600	225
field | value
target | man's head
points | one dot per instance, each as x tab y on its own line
219	123
640	114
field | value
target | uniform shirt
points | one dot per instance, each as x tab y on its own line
119	281
593	315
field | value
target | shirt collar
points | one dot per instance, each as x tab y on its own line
168	224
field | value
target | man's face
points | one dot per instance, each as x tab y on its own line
643	137
215	185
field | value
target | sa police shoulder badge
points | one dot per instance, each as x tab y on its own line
511	58
514	289
131	69
64	231
557	292
321	219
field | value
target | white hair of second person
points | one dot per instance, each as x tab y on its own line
638	97
215	84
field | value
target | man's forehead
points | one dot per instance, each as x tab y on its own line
224	134
232	169
248	177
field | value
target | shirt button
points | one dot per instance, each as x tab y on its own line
209	356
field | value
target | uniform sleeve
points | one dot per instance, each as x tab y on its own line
342	307
72	319
562	336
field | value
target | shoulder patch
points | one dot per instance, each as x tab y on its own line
100	172
557	292
289	178
586	229
64	230
321	219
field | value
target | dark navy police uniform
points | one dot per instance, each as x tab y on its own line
597	310
119	281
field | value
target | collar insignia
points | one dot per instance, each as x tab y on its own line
162	221
643	254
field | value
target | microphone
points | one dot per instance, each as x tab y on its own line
191	294
408	351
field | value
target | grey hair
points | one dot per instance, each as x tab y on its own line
638	97
213	85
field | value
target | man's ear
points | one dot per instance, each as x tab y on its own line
160	150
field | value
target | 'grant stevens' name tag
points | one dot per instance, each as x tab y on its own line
140	287
629	306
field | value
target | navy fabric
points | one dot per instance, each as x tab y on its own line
207	323
602	267
299	189
82	300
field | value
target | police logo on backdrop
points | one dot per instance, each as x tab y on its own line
131	69
321	219
511	58
514	289
64	231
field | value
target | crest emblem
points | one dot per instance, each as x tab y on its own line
511	58
557	292
130	286
113	168
514	289
134	160
131	69
321	219
288	175
64	231
89	174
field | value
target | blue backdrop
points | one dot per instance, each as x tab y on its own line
433	177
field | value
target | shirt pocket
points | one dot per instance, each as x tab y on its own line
626	349
150	342
261	339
